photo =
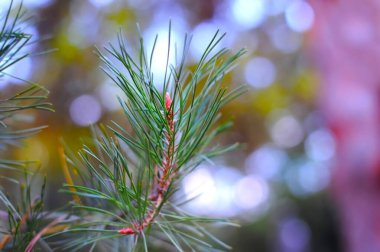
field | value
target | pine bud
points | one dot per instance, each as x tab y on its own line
168	101
126	231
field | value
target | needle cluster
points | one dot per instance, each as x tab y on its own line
129	173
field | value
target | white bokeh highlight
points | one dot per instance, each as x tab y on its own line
202	35
267	161
108	94
248	14
160	54
299	16
17	73
200	186
251	192
85	110
224	192
320	145
287	131
260	72
308	177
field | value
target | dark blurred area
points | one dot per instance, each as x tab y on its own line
307	176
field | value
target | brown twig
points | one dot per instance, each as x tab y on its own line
4	241
45	230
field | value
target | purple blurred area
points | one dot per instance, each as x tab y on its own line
307	177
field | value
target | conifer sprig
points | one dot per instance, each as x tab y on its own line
12	42
126	177
12	38
21	211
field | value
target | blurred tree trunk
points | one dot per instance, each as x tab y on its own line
345	45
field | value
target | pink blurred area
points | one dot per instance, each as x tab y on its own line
345	47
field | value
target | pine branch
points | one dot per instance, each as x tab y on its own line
12	42
126	177
21	216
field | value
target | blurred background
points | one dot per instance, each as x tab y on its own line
307	175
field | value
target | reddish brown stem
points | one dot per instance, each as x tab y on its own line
5	240
161	183
35	239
